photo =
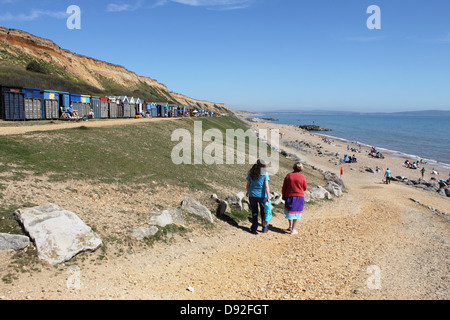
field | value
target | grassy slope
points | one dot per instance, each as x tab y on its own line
132	154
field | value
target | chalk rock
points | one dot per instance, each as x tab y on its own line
58	234
167	216
140	233
320	193
195	207
235	201
307	196
330	176
13	241
334	189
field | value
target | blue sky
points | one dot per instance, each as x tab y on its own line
264	54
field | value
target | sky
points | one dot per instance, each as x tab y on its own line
264	55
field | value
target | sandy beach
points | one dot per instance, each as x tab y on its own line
374	242
332	146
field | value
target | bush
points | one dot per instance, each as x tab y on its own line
35	66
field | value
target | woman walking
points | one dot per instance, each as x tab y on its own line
294	187
258	193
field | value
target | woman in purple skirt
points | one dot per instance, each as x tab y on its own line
294	187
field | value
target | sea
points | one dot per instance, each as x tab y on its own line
425	137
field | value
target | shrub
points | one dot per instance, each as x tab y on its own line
35	66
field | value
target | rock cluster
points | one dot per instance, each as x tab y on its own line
441	187
171	216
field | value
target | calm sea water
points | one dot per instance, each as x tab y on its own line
417	137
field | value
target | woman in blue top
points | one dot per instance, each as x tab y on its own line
258	193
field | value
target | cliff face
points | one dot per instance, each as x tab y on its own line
17	43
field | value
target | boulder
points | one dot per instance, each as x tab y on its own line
334	189
235	201
58	234
167	216
13	241
330	176
140	233
276	198
307	196
192	206
222	208
320	193
370	169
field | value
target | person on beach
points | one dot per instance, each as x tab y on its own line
258	192
293	192
387	174
423	171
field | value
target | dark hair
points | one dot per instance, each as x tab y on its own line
255	171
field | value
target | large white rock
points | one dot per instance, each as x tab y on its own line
13	241
167	216
58	234
334	188
195	207
319	193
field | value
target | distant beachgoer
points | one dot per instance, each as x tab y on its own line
423	171
293	192
258	192
387	174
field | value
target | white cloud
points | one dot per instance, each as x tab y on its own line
218	4
33	15
210	4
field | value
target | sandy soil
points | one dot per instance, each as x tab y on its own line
372	243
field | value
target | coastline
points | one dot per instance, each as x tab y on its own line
328	155
405	156
395	158
416	155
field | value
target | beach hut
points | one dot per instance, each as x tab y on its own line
33	103
82	108
162	108
95	106
113	108
140	105
126	110
104	108
64	99
50	104
154	111
12	105
132	103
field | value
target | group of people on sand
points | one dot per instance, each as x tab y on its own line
293	192
349	159
412	165
375	154
326	140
